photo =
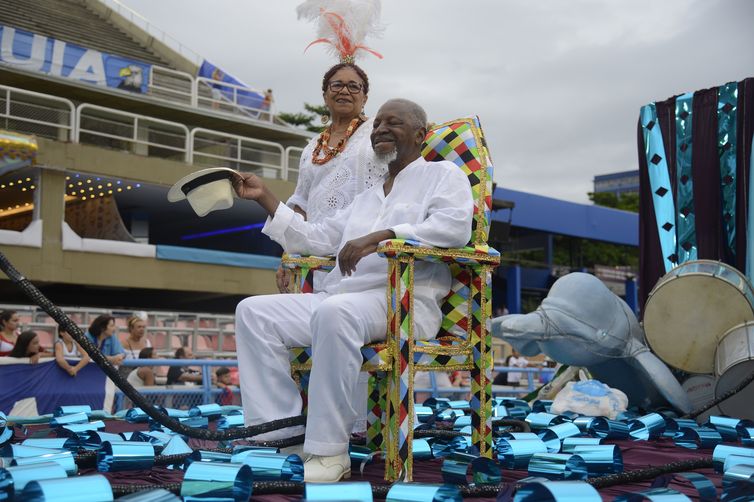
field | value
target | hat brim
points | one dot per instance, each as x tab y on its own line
176	194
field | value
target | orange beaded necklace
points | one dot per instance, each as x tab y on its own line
330	152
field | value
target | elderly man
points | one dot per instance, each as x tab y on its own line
428	202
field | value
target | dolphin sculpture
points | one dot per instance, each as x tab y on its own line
582	323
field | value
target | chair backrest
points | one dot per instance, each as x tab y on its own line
462	142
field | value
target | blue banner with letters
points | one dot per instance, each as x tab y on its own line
34	52
246	98
48	386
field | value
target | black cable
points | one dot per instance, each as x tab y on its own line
650	472
136	397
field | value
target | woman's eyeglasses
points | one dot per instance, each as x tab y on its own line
337	86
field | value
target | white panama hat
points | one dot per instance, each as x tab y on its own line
206	190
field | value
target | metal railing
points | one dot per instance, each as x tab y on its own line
530	386
179	395
172	85
35	113
292	162
128	131
215	148
230	98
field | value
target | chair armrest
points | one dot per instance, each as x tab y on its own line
397	248
293	261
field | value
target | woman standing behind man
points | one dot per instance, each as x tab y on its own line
338	164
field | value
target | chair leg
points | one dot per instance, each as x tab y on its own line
481	374
376	410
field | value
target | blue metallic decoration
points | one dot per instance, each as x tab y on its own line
421	449
92	488
539	421
137	416
557	466
457	468
460	404
54	443
705	489
738	473
609	429
649	426
417	492
685	216
746	434
516	453
266	467
68	430
21	450
560	491
356	491
673	426
552	436
14	479
461	422
729	428
702	438
211	411
584	423
210	480
437	403
442	448
116	456
600	459
230	422
361	456
750	228
63	458
727	105
572	442
541	406
69	410
722	451
423	413
659	181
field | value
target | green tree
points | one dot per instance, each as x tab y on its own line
626	201
306	119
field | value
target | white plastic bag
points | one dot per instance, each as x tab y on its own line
591	398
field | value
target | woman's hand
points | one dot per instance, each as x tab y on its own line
283	279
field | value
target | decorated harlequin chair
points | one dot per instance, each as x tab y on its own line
463	342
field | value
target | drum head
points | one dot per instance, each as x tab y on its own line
739	405
685	317
700	389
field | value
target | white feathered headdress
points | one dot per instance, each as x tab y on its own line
344	24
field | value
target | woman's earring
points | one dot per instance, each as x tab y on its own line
362	116
325	118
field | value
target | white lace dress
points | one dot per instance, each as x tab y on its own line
322	190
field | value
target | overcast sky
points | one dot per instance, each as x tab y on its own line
557	84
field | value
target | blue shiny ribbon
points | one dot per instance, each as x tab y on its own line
437	403
460	404
176	446
650	426
54	443
729	428
64	458
698	438
361	456
746	434
418	492
421	449
557	466
560	491
519	435
609	429
116	456
360	491
136	416
721	452
196	422
449	415
732	460
230	422
211	480
68	430
207	456
266	467
705	489
211	411
461	422
516	453
685	216
442	447
552	436
95	439
727	105
457	468
423	413
584	423
659	181
538	421
22	450
600	459
69	410
738	473
91	488
541	406
673	426
572	442
14	479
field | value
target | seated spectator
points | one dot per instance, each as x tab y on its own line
8	331
27	345
183	374
516	360
143	375
136	339
66	349
100	333
223	380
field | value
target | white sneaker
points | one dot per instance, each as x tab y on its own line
319	469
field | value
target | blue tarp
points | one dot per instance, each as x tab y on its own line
212	257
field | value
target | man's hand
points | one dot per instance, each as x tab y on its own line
251	187
283	279
357	249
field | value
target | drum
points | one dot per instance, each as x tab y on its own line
734	361
691	308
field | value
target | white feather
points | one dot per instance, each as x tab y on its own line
361	18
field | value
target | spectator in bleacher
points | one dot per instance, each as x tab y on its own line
66	349
136	339
223	380
182	374
8	331
516	360
27	345
143	375
101	333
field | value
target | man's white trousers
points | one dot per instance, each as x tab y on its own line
336	327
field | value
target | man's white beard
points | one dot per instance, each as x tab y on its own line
387	158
